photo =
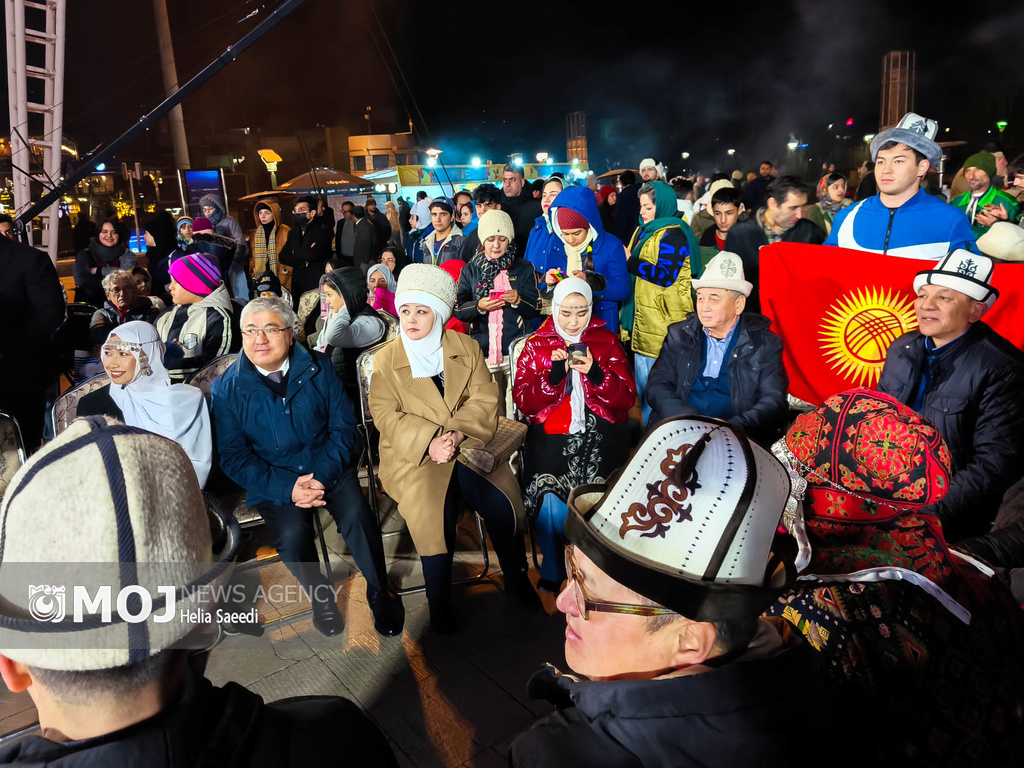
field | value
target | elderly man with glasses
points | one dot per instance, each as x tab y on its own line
286	434
669	570
123	305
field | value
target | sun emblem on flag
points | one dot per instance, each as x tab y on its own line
859	327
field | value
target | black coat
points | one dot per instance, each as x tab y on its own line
32	308
757	379
229	727
746	239
107	319
976	399
382	227
627	212
523	279
738	715
524	209
306	252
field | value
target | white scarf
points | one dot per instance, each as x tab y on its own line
426	358
576	402
150	402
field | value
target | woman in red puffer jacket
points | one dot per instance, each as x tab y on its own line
573	384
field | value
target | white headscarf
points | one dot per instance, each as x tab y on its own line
426	358
564	289
150	402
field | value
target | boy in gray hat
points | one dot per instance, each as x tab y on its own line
903	219
120	686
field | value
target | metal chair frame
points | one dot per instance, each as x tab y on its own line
364	372
19	444
249	517
515	350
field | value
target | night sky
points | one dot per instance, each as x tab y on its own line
495	78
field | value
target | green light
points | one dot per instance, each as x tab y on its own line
1001	125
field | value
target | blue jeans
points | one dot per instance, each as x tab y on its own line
550	535
642	365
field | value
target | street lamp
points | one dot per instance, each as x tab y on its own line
793	144
549	161
868	138
270	159
475	162
542	156
730	152
686	155
517	161
432	155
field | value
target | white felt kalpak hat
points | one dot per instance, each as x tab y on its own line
725	270
691	522
106	506
962	271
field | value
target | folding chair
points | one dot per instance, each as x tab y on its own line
247	516
364	370
392	321
65	407
12	451
515	349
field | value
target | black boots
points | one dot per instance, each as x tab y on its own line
388	611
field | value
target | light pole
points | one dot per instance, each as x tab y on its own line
270	159
434	158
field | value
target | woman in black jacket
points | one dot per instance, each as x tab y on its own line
497	295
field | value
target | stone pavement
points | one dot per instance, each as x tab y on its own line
442	701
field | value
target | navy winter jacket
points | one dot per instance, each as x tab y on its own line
606	250
267	442
757	378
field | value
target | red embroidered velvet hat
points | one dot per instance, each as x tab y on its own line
871	466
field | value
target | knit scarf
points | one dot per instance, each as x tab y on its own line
106	256
574	256
264	250
496	321
490	269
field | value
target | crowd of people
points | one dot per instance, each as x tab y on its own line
727	569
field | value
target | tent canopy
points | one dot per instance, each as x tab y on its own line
326	181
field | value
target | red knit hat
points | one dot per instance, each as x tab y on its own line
603	192
570	219
201	224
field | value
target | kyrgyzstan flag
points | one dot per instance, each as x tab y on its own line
838	310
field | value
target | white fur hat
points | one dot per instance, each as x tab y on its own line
962	271
107	507
1004	240
725	270
691	521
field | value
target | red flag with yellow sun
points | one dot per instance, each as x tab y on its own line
838	310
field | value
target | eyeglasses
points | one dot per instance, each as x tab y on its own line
270	331
584	605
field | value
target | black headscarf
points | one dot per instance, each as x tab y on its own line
165	232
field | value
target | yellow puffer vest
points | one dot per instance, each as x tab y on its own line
656	308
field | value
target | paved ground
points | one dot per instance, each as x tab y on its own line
442	701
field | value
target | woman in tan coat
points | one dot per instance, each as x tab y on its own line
431	394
